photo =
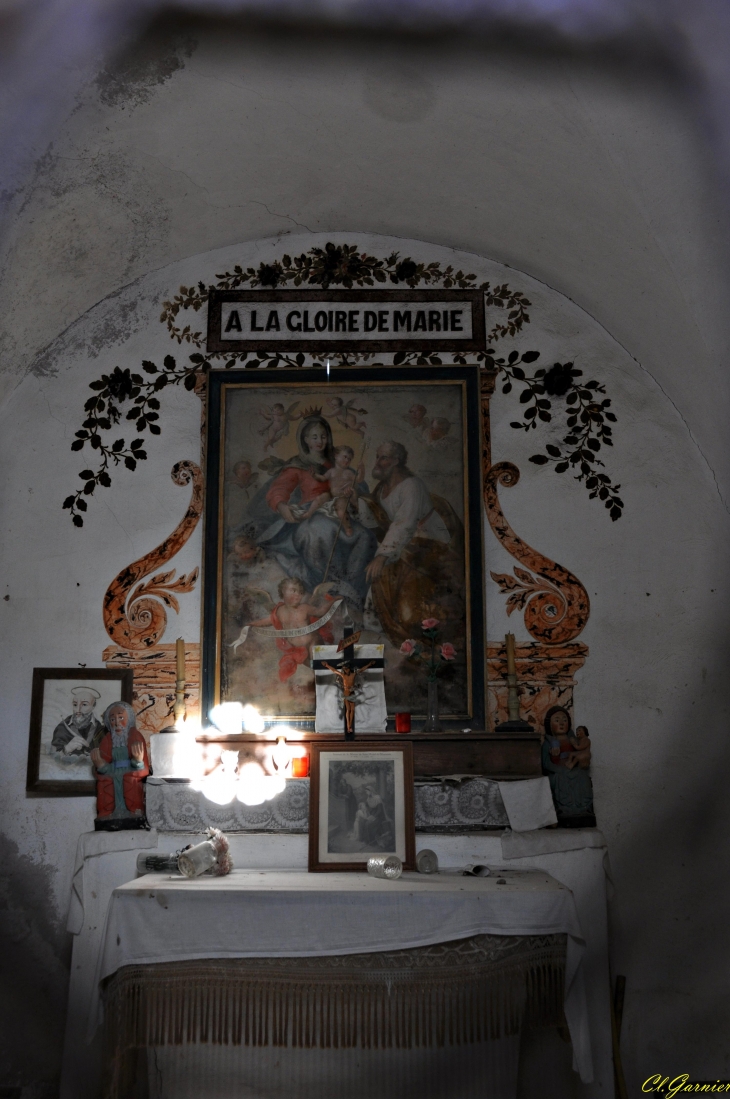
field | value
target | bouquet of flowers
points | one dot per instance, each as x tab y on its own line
434	655
224	862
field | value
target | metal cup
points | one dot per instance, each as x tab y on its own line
427	862
385	866
194	861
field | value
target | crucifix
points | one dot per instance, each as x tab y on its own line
347	667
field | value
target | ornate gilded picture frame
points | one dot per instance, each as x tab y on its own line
336	500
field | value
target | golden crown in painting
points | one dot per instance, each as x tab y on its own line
308	413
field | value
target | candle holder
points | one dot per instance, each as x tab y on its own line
194	861
179	707
514	724
300	767
427	862
385	866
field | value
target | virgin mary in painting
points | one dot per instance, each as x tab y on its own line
310	543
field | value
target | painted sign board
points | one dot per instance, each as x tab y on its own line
330	320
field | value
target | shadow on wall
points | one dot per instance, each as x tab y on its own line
34	972
673	939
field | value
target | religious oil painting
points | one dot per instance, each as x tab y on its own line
67	706
360	805
349	503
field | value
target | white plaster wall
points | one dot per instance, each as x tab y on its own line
591	183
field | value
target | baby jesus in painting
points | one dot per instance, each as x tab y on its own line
341	480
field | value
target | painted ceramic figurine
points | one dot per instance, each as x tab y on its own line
121	764
566	756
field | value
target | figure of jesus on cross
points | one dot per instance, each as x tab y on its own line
347	668
348	675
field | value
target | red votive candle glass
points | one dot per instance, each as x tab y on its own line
300	767
403	723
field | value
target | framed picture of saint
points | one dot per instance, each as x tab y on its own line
66	725
361	805
344	501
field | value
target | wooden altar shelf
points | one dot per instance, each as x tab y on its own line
493	755
496	755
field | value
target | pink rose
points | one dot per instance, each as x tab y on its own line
430	623
447	650
408	647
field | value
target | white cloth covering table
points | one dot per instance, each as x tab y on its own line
577	859
290	914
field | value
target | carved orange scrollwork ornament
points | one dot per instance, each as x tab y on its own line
135	617
555	603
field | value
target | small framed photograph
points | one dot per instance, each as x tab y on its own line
360	805
66	711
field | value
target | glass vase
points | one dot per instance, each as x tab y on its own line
433	723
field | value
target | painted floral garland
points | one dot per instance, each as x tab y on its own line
587	415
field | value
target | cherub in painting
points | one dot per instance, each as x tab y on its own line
437	430
244	477
294	612
246	552
277	419
346	414
416	417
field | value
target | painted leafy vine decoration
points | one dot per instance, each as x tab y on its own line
586	416
103	412
344	265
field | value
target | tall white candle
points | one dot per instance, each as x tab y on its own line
511	667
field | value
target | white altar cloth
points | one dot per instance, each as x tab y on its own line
259	913
575	857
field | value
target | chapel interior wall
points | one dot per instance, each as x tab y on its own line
587	176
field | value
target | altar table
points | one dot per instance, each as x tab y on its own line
454	907
399	998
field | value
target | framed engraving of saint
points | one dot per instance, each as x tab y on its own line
360	805
353	502
67	705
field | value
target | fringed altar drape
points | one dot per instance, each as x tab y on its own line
469	991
